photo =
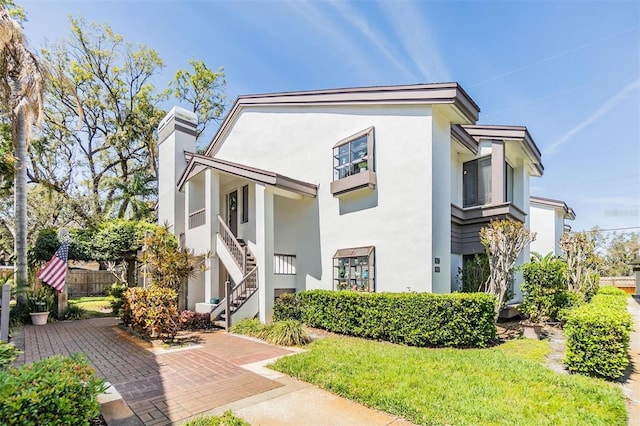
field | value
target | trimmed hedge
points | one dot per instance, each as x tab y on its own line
416	319
54	391
598	336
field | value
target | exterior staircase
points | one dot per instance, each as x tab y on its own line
241	299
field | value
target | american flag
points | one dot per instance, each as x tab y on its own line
55	272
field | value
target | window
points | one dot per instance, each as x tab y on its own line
354	269
508	183
284	264
353	163
476	182
245	204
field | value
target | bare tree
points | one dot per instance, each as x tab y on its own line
503	240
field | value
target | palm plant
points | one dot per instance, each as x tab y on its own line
21	99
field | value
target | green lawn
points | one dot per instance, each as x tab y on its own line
506	385
93	305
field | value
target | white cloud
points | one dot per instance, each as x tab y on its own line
375	38
606	107
417	40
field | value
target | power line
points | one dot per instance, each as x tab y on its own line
612	229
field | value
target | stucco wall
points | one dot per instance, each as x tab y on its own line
543	223
396	217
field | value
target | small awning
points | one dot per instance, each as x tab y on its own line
354	252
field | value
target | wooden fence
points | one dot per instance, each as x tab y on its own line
82	283
628	284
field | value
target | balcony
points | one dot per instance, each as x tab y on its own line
197	218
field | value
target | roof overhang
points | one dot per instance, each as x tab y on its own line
197	163
418	94
507	133
459	134
557	204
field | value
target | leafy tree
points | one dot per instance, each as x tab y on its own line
503	240
203	89
474	274
616	250
22	82
111	144
166	264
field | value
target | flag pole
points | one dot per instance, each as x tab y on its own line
63	296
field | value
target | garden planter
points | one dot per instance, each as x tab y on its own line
532	331
39	318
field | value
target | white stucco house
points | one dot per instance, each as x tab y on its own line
374	189
548	220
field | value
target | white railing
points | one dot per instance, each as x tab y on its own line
239	294
197	218
238	252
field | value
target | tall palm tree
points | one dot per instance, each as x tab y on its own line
22	80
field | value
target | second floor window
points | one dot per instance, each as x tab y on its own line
351	156
476	182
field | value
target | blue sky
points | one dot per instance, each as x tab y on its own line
568	70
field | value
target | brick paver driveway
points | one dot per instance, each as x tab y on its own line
160	386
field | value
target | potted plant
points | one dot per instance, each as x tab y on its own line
40	304
363	166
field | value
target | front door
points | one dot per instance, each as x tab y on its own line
232	212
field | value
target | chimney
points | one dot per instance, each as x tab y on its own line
176	135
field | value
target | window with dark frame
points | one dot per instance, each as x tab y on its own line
245	204
476	182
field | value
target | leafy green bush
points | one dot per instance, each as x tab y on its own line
152	312
75	312
416	319
8	354
116	291
611	291
474	273
286	333
54	391
195	320
545	288
287	306
598	336
226	419
249	327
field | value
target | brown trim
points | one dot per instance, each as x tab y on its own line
354	252
466	224
568	211
459	134
172	123
200	162
420	94
368	132
518	133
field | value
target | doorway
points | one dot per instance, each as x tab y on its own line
232	212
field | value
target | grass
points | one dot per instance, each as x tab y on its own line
94	305
226	419
508	384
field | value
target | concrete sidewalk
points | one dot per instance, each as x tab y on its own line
219	371
632	384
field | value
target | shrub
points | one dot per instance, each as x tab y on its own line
286	333
75	312
152	312
54	391
611	290
598	336
416	319
474	273
249	327
287	307
226	419
116	291
545	288
8	354
195	320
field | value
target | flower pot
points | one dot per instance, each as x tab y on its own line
39	318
